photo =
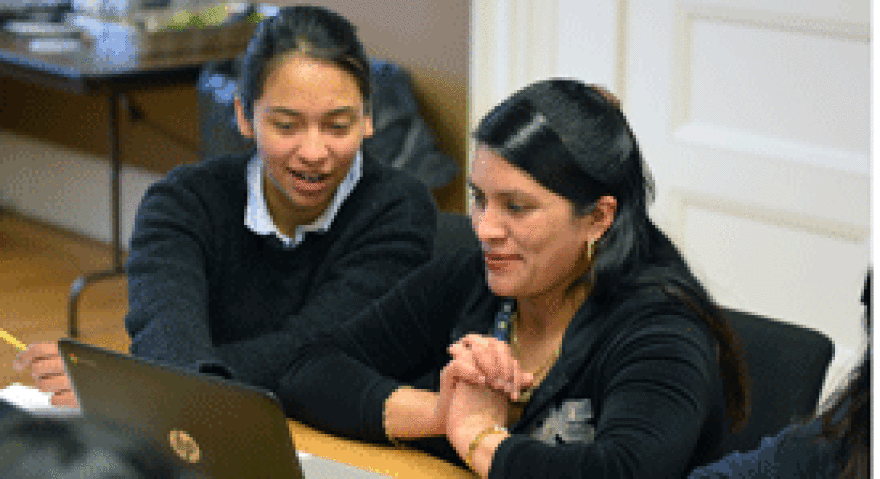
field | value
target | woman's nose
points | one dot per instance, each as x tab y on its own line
312	147
487	225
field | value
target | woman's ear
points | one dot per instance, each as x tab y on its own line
602	216
368	126
244	125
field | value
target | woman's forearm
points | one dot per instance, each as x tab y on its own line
412	413
476	440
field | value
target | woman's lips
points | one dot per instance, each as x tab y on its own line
310	184
500	262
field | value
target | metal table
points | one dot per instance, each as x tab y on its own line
113	72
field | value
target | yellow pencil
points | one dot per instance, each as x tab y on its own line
11	340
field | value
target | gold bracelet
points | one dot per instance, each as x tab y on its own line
393	440
493	429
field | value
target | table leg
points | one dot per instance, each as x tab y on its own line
115	98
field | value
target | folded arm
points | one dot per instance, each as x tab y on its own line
654	398
341	381
167	278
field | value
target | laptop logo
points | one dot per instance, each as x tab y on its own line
184	446
74	359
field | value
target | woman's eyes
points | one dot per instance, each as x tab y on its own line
513	207
334	128
339	128
283	126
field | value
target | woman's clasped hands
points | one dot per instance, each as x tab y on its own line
476	389
486	361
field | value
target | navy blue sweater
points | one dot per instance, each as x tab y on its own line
798	452
203	288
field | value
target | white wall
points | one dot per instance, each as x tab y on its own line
515	42
67	188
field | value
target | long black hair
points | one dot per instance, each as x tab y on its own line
314	32
32	446
847	420
574	139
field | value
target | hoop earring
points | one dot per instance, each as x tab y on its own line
591	249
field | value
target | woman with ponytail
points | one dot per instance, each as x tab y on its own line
575	342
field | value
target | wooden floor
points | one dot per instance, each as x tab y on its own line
38	263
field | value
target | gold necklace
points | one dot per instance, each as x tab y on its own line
526	395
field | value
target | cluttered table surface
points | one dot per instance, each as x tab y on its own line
127	59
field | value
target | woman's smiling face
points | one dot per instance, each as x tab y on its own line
308	124
533	241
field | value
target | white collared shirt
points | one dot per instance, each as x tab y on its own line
256	212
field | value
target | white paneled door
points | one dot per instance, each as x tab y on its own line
755	118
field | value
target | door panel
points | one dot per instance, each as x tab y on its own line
755	118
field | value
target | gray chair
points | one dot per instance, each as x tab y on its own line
787	365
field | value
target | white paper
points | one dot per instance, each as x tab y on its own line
34	401
26	397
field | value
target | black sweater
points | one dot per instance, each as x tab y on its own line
203	288
638	376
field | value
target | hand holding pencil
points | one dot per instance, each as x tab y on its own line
46	367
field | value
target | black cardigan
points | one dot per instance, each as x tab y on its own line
204	289
640	377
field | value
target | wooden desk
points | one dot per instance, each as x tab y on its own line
95	71
402	463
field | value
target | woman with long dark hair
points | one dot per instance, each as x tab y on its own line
575	343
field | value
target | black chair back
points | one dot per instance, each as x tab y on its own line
787	365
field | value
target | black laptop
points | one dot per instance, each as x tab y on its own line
217	427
